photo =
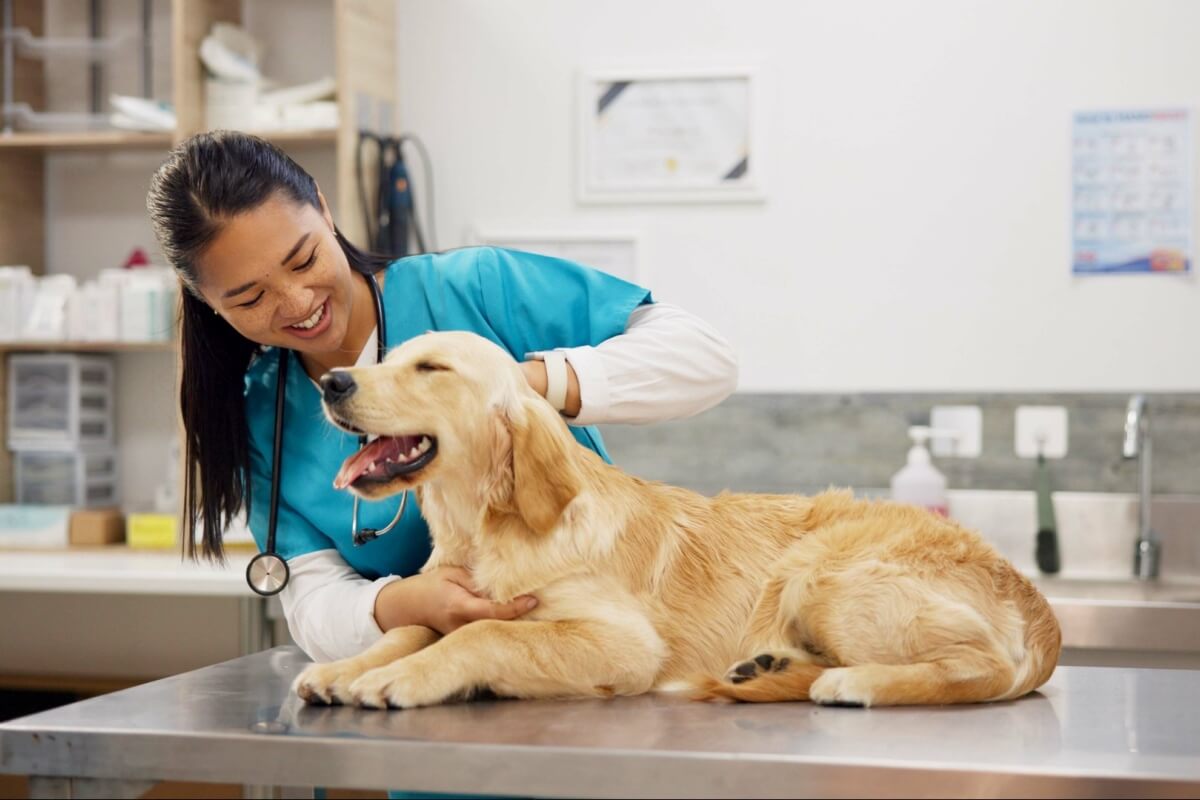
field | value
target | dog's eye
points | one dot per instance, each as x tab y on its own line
429	366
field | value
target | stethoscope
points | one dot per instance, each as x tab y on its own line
267	573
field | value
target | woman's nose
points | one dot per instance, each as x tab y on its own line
295	306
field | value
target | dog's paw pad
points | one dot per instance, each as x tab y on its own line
762	663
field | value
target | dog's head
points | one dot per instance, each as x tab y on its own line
454	407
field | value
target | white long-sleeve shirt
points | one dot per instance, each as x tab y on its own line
668	364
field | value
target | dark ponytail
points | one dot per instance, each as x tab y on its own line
204	182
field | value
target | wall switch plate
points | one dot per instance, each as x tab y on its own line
1041	428
966	421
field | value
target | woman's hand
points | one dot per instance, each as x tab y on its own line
444	599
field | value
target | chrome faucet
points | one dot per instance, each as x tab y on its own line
1137	445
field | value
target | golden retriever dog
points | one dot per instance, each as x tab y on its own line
644	586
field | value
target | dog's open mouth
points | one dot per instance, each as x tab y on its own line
385	458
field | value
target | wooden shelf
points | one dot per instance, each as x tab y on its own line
129	140
327	136
89	347
363	38
86	140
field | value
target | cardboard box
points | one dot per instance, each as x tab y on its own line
97	526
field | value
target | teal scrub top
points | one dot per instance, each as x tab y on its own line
521	301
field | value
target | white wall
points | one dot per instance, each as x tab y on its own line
916	234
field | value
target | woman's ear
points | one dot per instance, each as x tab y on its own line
540	478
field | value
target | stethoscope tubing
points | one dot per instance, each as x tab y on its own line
268	573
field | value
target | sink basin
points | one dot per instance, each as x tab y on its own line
1097	532
1119	590
1121	622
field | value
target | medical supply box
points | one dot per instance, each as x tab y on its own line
59	400
84	477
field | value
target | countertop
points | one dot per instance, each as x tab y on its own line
121	570
1089	732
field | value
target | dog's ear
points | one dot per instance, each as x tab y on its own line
498	478
543	477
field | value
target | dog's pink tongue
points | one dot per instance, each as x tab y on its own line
354	466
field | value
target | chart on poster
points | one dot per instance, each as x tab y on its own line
1132	190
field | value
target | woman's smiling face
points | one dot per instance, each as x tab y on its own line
277	274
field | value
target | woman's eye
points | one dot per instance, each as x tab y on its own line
311	260
253	302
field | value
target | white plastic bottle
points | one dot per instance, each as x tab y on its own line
919	483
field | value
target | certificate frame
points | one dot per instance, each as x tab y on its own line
669	136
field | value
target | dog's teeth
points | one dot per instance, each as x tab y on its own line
425	444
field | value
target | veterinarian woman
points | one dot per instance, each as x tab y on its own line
263	266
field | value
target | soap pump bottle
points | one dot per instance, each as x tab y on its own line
919	483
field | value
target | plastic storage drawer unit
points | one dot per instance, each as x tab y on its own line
59	400
67	477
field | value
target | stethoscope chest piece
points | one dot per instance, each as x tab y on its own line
267	574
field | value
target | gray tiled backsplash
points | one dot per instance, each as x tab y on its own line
806	442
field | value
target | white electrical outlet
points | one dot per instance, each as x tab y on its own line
966	422
1041	429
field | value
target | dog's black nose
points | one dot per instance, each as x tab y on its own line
337	386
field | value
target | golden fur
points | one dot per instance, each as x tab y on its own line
644	586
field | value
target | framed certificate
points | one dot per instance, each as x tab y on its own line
669	137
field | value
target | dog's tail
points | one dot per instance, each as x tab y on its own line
790	683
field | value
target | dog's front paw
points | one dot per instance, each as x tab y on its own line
327	684
395	686
846	686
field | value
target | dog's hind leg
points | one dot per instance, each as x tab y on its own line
766	678
330	683
931	683
905	638
895	636
970	677
784	665
863	631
